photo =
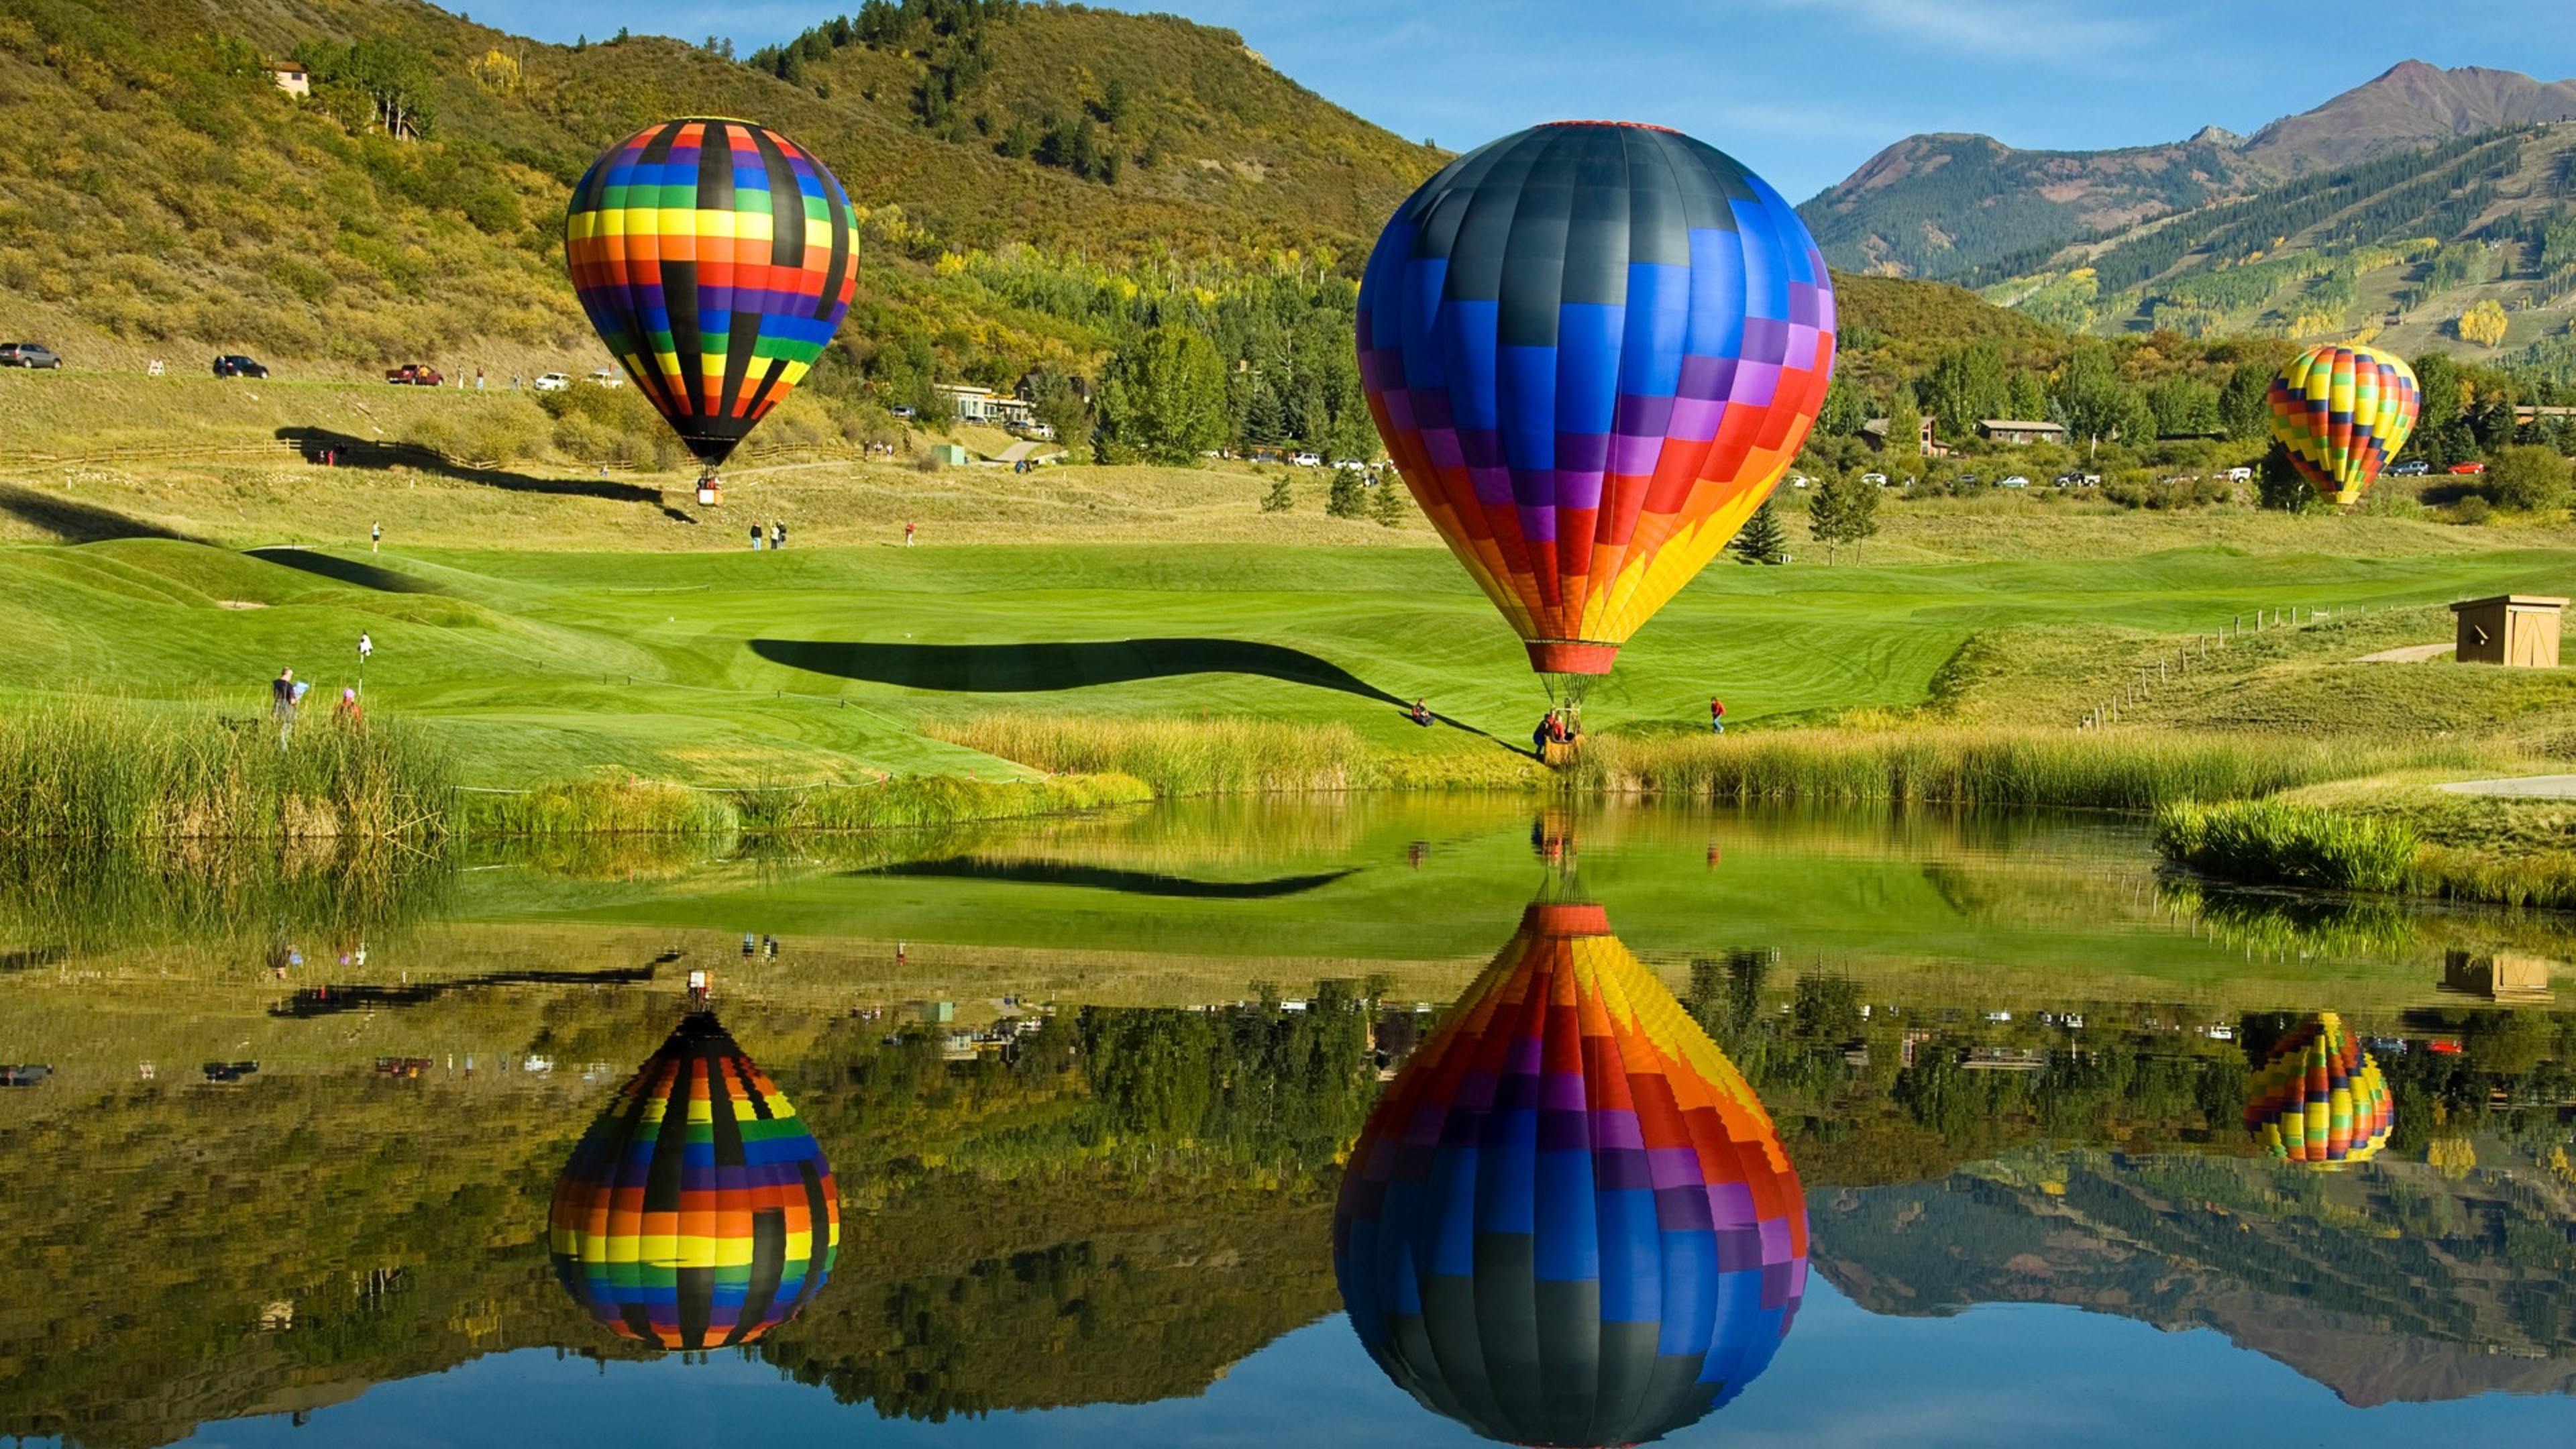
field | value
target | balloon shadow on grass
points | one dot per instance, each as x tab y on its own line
345	570
76	522
1109	878
354	452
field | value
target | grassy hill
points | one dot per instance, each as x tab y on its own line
165	198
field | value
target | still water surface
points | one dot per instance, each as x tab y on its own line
1388	1121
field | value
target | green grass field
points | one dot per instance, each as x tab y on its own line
551	625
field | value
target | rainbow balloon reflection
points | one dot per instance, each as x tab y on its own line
697	1210
1569	1222
2320	1098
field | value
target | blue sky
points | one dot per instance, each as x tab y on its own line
1801	90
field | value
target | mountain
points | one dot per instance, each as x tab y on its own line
2395	1287
1937	206
2411	105
1947	206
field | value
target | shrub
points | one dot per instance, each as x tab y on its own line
2528	477
2268	842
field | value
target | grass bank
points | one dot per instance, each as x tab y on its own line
2110	770
2277	842
110	770
1229	755
605	805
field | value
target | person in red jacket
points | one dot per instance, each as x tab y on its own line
1716	715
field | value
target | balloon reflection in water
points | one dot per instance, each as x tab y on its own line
697	1210
2320	1098
1569	1222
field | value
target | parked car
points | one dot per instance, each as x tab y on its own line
1041	432
2015	481
608	377
415	374
1967	480
553	381
2411	468
29	354
1307	460
2239	475
1874	480
901	410
233	364
2466	470
1797	480
2067	480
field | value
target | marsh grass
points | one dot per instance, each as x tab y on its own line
2109	770
1219	756
596	805
608	804
2272	842
2488	877
224	896
115	770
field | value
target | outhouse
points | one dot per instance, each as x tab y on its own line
2519	630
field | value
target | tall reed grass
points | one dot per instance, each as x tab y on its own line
2522	878
114	770
1228	755
2104	770
2272	842
609	805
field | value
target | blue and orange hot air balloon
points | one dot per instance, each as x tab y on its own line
1593	350
1569	1222
715	258
697	1211
2320	1098
2341	412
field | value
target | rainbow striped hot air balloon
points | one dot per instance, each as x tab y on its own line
1569	1222
2320	1098
715	258
697	1211
2342	412
1592	350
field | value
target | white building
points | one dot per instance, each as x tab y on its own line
982	404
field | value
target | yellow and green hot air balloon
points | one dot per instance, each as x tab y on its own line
2342	412
2320	1098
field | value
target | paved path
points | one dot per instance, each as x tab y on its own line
2410	654
2523	787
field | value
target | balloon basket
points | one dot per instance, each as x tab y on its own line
710	496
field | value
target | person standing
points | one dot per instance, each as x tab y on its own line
777	537
376	537
755	538
1716	715
281	704
907	535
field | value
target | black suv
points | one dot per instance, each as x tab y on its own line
28	354
236	365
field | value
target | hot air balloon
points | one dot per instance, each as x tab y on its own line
715	257
697	1211
1569	1222
2320	1098
2342	412
1592	349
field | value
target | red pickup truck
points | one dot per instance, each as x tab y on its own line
418	374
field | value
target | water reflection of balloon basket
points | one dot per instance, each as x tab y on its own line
1569	1221
697	1211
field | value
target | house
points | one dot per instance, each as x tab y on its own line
2012	430
2515	630
1874	433
291	77
981	404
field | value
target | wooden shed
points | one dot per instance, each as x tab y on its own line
2517	630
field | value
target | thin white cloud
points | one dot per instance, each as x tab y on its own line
2050	29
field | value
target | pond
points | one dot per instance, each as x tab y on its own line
1391	1120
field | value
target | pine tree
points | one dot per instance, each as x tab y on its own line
1344	500
1386	501
1280	498
1762	539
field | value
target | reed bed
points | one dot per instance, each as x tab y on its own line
2545	880
933	800
1216	756
2272	842
115	770
2094	770
599	804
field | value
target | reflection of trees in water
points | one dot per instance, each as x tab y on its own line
1260	1079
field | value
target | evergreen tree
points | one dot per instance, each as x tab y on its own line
1386	500
1343	500
1762	539
1280	498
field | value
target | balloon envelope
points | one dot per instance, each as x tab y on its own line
1592	350
715	258
697	1211
2320	1098
2341	413
1568	1221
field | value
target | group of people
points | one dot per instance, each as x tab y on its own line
1558	728
777	536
